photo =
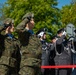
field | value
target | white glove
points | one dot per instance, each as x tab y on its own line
64	33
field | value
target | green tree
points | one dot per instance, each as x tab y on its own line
45	11
68	14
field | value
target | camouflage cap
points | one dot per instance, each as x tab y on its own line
8	21
28	16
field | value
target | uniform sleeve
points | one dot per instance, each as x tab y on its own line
21	26
1	27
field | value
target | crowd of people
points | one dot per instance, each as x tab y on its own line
60	51
26	54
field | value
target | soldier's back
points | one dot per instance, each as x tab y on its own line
10	55
31	55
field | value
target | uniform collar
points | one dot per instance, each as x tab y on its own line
10	36
31	32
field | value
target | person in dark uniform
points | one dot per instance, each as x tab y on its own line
62	57
45	50
52	54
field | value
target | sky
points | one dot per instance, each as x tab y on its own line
2	1
61	2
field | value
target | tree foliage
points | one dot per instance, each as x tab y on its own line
68	14
46	14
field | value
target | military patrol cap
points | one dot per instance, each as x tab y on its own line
28	16
8	22
60	31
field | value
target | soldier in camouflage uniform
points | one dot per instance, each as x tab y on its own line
31	47
10	56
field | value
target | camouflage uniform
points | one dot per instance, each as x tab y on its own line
30	50
10	56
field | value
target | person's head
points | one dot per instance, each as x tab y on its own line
60	32
53	39
41	34
9	25
29	20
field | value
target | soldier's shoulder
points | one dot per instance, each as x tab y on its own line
16	42
34	37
